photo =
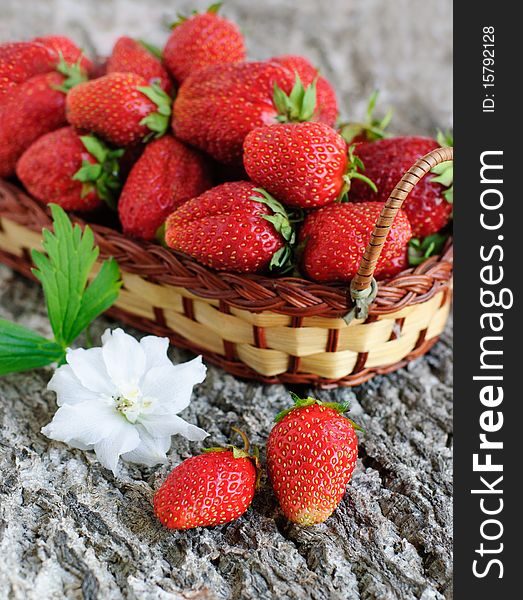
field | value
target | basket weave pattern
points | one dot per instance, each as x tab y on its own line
286	330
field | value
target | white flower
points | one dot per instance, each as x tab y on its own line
122	400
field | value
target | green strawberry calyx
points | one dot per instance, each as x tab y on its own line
445	171
421	249
212	10
339	407
371	129
299	105
73	74
354	170
157	121
282	259
102	176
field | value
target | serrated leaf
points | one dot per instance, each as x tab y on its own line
64	272
100	295
22	349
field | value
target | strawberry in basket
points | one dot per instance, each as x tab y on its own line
33	108
232	227
131	56
218	106
76	172
429	205
333	239
201	40
166	175
19	61
62	46
122	108
305	165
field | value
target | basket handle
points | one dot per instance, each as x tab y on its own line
363	287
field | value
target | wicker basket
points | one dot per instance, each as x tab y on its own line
271	329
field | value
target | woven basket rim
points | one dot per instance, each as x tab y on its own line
292	296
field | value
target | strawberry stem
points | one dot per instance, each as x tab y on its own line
371	129
243	435
354	167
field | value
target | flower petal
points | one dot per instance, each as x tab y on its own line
124	359
172	386
150	451
122	439
68	388
164	425
155	349
89	368
86	422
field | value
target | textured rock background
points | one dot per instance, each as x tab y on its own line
69	529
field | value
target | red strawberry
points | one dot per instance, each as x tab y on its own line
335	236
311	454
305	165
19	61
167	174
428	206
69	51
327	104
202	40
226	229
207	490
31	109
76	172
216	107
120	107
131	56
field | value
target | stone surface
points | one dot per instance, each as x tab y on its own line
69	529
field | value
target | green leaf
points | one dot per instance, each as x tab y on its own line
151	48
73	74
88	172
64	272
445	138
445	176
95	147
299	105
420	250
214	8
22	349
371	129
105	175
100	295
157	121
